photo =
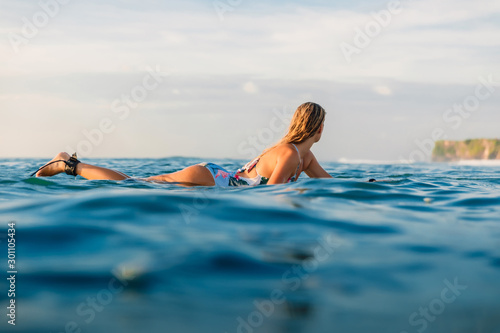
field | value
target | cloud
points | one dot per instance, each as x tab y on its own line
424	43
383	90
429	56
250	88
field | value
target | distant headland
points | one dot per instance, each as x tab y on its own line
476	149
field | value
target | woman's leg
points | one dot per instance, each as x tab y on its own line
195	175
85	170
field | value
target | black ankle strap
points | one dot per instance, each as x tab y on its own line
71	164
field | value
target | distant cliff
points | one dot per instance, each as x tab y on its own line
477	149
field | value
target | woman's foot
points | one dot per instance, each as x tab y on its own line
55	168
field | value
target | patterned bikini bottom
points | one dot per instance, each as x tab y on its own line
224	178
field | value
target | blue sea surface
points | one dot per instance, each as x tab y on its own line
418	252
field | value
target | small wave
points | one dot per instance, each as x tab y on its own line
154	255
344	160
39	181
477	202
493	163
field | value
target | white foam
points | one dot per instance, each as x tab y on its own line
478	162
362	161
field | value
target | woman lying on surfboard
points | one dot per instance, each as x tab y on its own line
279	164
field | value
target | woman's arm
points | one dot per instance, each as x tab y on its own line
315	170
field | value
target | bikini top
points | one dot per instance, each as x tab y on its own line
260	180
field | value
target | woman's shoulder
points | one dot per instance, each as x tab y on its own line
286	149
280	151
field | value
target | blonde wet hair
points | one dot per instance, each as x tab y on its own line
305	123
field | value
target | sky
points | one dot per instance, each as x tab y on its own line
221	79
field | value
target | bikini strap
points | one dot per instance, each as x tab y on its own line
300	161
249	166
298	152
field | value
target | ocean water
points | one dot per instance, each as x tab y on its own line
419	252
